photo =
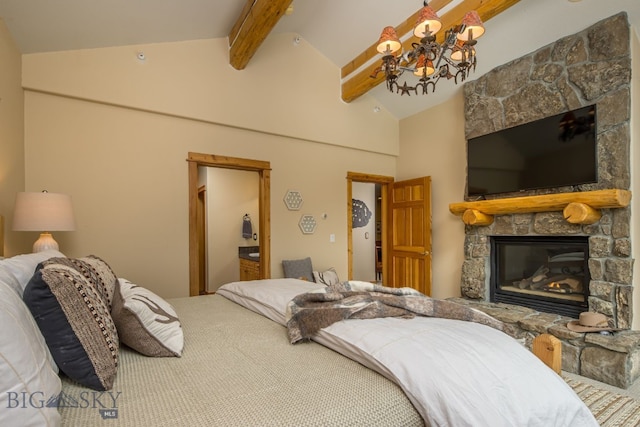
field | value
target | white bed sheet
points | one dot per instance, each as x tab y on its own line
455	373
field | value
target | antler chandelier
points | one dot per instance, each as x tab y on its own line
453	58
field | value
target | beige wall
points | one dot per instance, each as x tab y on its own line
286	89
11	141
432	143
122	158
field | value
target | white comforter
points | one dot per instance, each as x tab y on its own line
455	373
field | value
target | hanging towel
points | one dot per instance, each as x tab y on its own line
247	230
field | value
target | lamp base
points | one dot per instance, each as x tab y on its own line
44	243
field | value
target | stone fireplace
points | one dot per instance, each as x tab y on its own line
590	67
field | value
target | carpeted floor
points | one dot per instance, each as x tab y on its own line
633	391
612	406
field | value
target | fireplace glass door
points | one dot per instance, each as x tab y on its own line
549	274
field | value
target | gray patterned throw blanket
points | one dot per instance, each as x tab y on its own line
308	313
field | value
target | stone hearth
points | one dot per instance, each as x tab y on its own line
590	67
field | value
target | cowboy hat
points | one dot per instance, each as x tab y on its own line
590	322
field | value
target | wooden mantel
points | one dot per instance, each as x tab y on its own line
578	208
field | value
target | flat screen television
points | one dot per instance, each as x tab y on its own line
556	151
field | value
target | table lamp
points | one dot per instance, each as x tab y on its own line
44	212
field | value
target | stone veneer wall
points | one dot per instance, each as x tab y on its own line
590	67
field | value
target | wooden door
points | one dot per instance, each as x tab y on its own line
410	251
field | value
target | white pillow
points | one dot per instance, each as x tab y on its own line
7	278
23	266
145	321
328	277
27	369
268	297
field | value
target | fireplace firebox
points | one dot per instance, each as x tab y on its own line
545	273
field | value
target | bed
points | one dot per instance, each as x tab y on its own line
238	367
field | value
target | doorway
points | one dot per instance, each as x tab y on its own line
405	230
366	232
382	184
263	169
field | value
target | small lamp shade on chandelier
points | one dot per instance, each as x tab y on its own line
472	27
428	22
429	60
389	41
43	212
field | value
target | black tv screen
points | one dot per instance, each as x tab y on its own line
556	151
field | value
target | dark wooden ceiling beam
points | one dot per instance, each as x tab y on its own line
257	19
362	82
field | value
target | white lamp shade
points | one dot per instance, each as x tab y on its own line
43	212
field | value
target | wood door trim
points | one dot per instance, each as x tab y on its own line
202	229
264	172
1	235
385	182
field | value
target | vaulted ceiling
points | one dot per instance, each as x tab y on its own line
345	31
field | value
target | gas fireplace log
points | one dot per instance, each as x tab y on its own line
581	213
532	282
540	274
564	284
561	283
524	283
539	278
